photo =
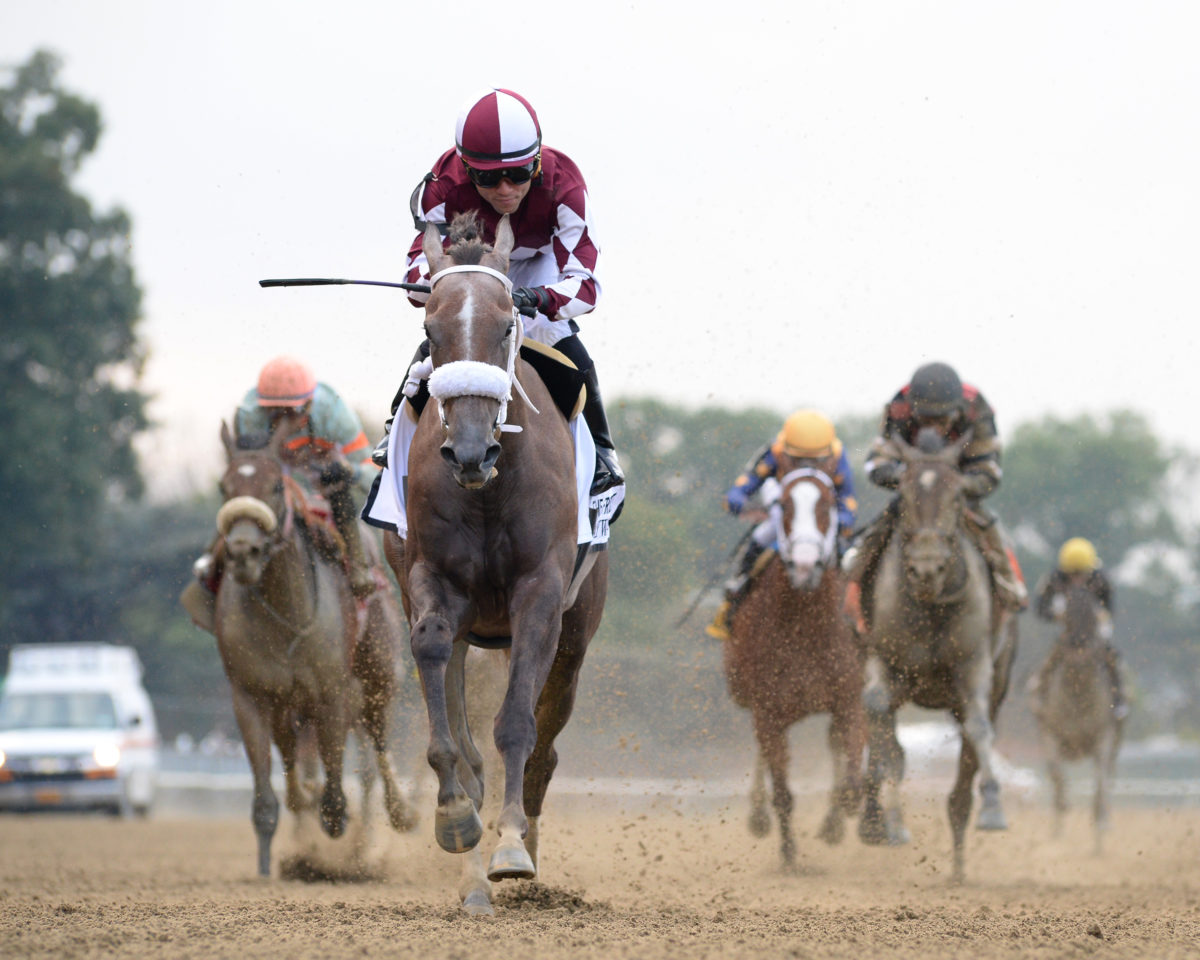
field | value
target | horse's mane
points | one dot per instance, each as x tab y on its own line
467	245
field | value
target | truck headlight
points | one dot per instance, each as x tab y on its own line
107	755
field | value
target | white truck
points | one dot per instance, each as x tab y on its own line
77	730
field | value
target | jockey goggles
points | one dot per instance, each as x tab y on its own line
516	175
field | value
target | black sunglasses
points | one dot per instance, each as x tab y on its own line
516	175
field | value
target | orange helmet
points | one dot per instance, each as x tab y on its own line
807	433
285	382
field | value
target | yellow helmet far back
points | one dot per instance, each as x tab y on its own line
807	433
1077	555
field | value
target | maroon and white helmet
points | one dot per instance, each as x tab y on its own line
496	130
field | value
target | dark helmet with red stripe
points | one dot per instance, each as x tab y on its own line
498	129
935	391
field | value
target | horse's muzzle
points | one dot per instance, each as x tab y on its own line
472	469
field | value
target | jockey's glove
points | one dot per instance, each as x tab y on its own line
887	474
977	485
336	474
735	500
531	301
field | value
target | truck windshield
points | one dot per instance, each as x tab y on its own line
77	710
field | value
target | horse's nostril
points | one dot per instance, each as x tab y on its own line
449	457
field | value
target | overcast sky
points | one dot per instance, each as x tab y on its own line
797	203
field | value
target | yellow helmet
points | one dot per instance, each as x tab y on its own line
807	433
1077	556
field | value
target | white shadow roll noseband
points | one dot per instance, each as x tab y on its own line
474	378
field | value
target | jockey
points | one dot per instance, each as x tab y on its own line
499	166
327	451
937	398
807	439
1078	563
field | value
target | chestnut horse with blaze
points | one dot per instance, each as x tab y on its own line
490	552
791	655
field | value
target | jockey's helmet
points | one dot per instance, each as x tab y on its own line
807	433
935	391
499	130
1077	555
285	382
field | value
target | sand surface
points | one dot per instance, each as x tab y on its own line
619	878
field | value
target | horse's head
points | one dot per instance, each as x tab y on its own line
474	335
253	491
931	506
808	526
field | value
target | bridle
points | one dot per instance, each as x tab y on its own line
826	543
475	378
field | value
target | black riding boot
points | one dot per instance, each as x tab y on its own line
379	454
608	470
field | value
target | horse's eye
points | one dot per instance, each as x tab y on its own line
509	332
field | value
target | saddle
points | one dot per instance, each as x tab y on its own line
562	378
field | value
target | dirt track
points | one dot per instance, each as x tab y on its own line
650	880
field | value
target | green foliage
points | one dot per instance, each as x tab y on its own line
69	357
1103	479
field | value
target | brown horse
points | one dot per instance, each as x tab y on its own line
490	552
290	639
933	642
1076	716
791	655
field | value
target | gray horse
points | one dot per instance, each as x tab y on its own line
934	641
1075	712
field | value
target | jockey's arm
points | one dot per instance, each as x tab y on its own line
750	480
847	503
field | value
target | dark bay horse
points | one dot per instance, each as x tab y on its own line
490	552
1076	715
791	655
293	648
934	642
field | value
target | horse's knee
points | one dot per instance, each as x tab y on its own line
431	641
515	733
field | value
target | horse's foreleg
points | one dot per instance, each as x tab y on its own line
470	762
760	820
882	819
1104	758
475	889
456	824
283	726
975	689
401	814
959	805
1058	786
331	744
772	744
264	811
536	630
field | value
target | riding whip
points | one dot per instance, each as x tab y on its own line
328	281
712	581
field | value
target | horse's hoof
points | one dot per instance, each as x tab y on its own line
991	818
457	826
759	822
897	832
833	829
333	819
872	831
477	904
510	861
402	817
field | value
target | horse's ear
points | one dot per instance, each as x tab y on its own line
227	439
502	248
431	244
279	434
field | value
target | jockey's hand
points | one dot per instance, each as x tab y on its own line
335	472
887	474
735	500
530	301
977	485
